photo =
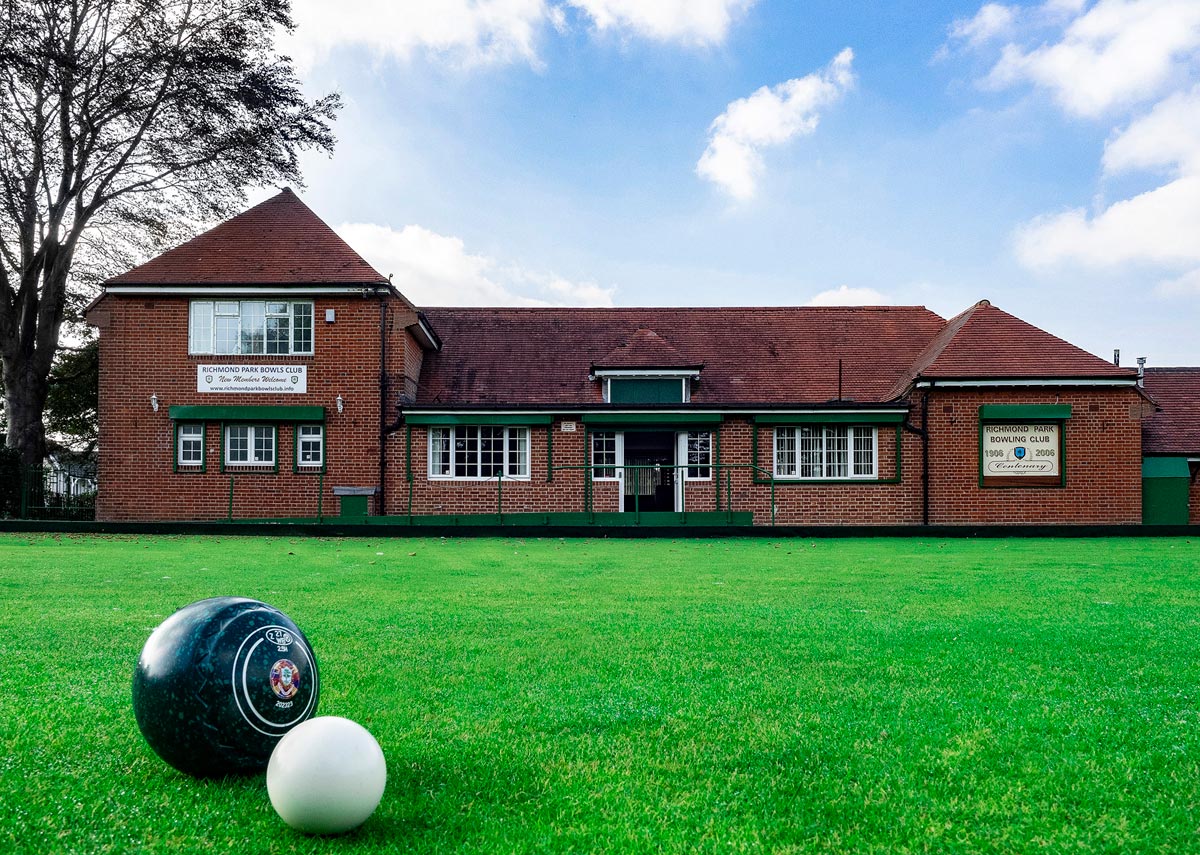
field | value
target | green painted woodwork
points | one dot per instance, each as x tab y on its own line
200	413
1165	485
829	418
1024	412
354	506
439	419
645	390
649	419
763	476
1165	467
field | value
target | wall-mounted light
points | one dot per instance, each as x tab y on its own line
154	402
341	405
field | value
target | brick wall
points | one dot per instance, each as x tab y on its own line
808	504
143	351
1103	460
433	496
1194	497
1103	463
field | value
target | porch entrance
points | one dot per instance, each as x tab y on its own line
651	489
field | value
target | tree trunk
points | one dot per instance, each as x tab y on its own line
24	400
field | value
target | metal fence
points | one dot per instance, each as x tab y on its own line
49	492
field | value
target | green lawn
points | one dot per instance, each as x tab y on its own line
639	696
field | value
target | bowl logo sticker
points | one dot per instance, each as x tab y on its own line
281	638
285	679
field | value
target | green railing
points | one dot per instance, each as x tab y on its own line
639	481
50	493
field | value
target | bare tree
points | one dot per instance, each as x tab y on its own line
120	121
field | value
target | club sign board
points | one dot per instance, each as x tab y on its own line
1021	454
266	379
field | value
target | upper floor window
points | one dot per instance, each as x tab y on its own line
250	327
824	452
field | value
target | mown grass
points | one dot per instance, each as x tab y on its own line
639	696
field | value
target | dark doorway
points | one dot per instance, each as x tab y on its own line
651	489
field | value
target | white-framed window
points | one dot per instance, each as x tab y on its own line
478	452
824	452
271	327
310	445
189	445
249	445
606	455
699	456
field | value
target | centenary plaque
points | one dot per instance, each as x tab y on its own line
1021	455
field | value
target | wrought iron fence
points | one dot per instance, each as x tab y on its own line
49	492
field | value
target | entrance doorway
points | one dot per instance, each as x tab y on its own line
649	489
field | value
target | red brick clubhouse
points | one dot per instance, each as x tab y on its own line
264	370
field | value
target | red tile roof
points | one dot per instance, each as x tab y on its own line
277	242
514	357
645	349
1176	428
985	342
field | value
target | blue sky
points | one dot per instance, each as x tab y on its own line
1045	156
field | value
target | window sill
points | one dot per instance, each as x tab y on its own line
246	357
520	478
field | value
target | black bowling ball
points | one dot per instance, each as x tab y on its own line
220	682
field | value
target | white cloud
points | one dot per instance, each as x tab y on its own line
1168	136
1115	54
1187	285
471	32
436	270
991	22
480	32
769	117
844	295
697	22
1159	226
1106	61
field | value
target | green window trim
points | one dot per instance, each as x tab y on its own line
646	390
762	480
248	468
220	413
191	468
787	419
307	469
452	419
617	420
1024	412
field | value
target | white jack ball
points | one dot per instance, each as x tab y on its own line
326	775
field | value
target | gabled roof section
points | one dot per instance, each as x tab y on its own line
503	357
278	242
987	343
1175	428
646	349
